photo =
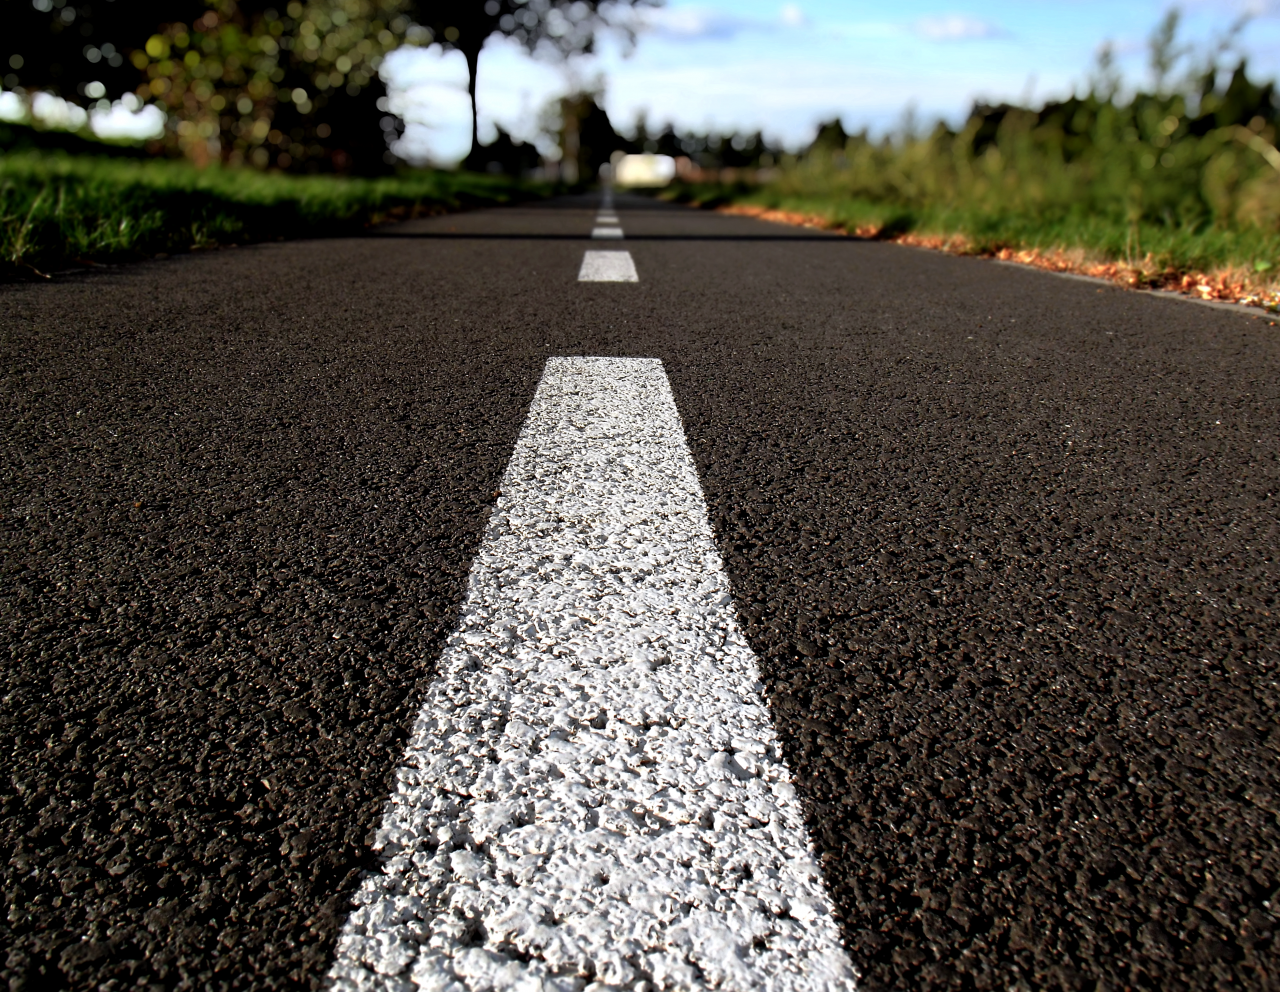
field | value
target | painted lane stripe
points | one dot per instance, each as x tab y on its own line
608	266
593	791
606	232
607	218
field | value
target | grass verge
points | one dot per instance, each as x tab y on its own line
1228	264
59	211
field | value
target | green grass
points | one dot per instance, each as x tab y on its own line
1146	244
59	210
1146	185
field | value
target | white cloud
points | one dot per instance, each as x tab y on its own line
787	99
126	121
692	23
1250	8
711	23
956	27
792	16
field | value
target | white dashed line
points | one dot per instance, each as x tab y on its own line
608	266
593	796
606	232
604	218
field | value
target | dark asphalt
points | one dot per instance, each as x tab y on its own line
1005	544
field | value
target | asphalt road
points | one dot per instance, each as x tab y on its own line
1004	544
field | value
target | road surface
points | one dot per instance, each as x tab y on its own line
1000	546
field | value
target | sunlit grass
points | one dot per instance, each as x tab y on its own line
57	210
1184	247
1145	185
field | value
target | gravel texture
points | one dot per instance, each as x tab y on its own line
1004	545
593	796
235	529
1008	558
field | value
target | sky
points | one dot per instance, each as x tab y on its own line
781	68
750	65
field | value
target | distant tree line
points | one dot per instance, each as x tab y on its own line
1189	152
1201	101
587	139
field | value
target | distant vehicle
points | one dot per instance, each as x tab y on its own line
643	170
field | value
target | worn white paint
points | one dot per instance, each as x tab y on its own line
608	266
593	796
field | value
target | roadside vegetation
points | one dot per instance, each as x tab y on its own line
271	120
1176	187
58	211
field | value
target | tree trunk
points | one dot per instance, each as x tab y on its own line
473	64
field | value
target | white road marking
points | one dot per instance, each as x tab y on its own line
593	791
607	218
606	232
608	266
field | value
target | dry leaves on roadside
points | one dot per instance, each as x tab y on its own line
1232	285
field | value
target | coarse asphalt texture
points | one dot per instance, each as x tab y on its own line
1004	544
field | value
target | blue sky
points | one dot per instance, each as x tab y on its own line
760	64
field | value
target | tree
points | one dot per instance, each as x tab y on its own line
280	82
831	137
1163	50
506	155
582	129
297	88
1104	81
564	27
65	48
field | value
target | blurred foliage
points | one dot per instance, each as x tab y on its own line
580	128
232	79
1162	180
58	210
16	137
62	46
506	155
710	150
291	84
1151	159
